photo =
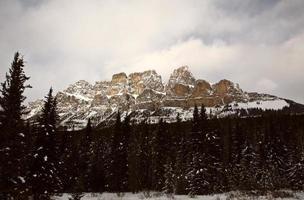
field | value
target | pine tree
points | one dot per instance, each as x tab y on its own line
159	155
98	168
134	163
196	120
170	182
86	155
196	175
248	167
203	114
146	159
12	137
126	132
12	97
119	168
296	173
235	158
45	178
212	159
70	162
181	158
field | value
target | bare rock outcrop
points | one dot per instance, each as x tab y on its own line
143	94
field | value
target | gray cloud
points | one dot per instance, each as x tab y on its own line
258	44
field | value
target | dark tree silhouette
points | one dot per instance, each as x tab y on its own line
45	178
13	138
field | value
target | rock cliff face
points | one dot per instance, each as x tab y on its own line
144	95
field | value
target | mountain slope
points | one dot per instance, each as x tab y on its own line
144	96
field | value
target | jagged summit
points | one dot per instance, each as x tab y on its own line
145	96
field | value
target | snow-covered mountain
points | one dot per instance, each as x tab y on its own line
144	96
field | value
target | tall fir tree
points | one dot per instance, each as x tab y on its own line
181	158
170	179
134	162
45	166
12	135
296	172
119	165
86	155
159	155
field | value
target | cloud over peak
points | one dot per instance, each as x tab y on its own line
254	43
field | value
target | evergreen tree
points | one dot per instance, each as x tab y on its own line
12	97
235	158
196	175
181	158
126	132
159	155
12	135
203	114
134	162
296	173
146	155
98	169
170	182
45	178
86	154
248	168
70	159
212	159
196	122
119	168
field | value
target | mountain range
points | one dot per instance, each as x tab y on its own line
144	96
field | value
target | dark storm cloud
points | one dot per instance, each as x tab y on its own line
245	8
256	43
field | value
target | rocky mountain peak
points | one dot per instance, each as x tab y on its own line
202	87
181	82
181	75
226	87
119	78
144	95
80	87
140	81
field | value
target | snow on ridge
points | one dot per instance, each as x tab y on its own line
276	104
78	96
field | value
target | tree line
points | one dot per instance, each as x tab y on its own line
203	156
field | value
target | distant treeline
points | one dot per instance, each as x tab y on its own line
202	156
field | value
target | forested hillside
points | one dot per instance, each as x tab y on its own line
262	150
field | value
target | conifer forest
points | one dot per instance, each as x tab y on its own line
206	155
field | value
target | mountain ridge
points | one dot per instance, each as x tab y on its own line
143	94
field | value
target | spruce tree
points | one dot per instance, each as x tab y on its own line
119	168
45	178
235	157
134	162
13	181
86	155
170	179
196	175
146	155
212	159
181	158
203	114
248	167
70	162
296	173
12	97
98	167
159	155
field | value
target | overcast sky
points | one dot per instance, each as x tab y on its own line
256	43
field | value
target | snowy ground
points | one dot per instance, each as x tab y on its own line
286	195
